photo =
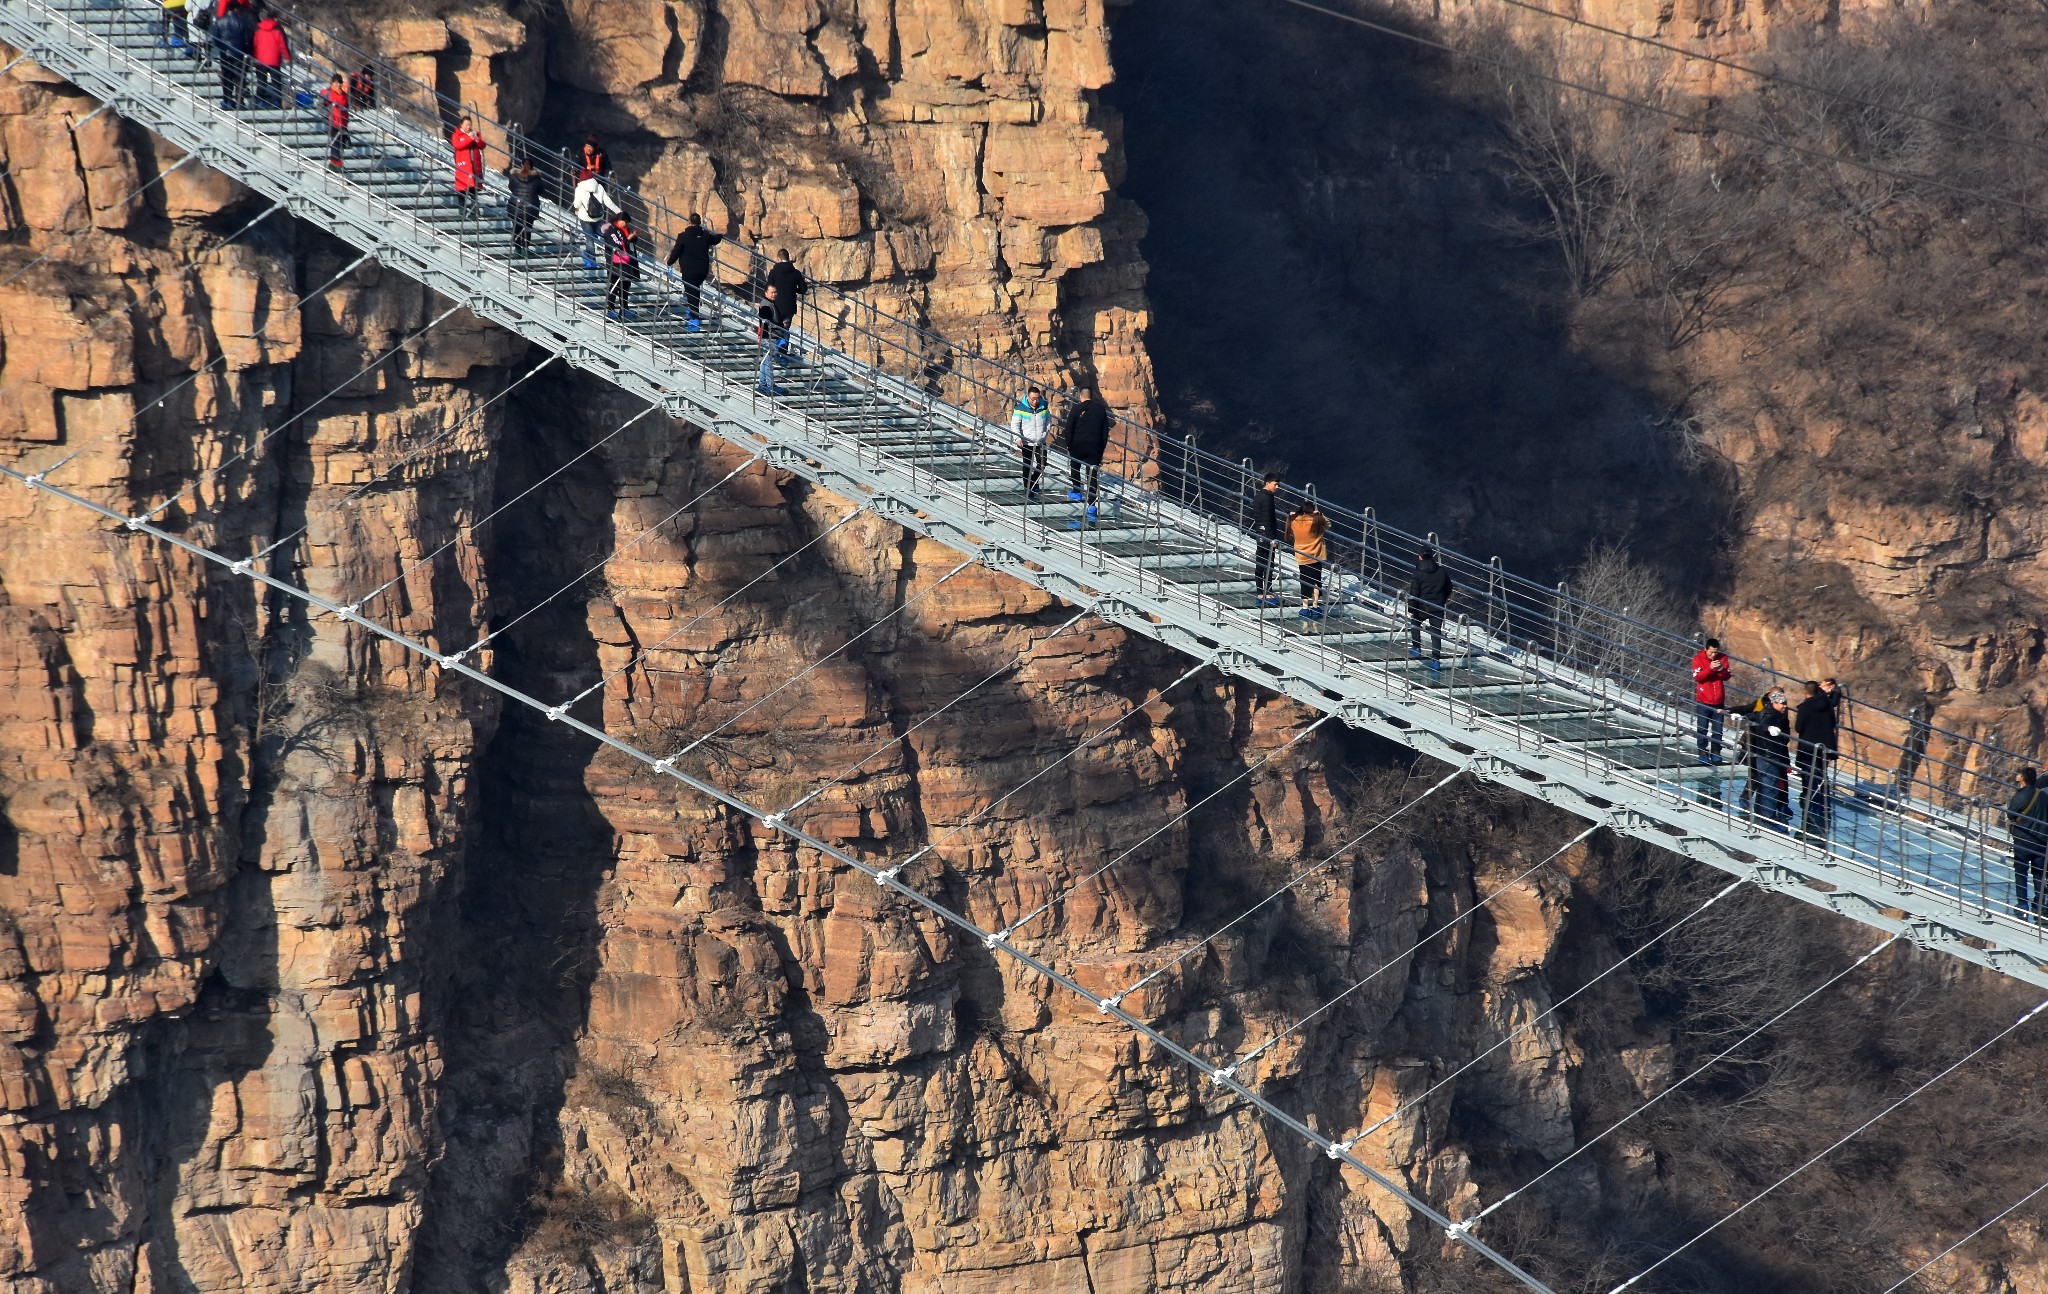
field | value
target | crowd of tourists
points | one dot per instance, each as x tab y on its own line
1786	745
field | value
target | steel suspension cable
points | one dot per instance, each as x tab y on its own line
493	633
1702	1068
695	620
1693	121
1763	74
1837	1144
1291	882
1408	952
1976	1231
431	443
1543	1015
958	697
1017	925
885	878
93	227
797	677
1130	708
493	515
214	472
103	316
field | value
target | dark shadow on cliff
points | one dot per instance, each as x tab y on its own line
513	986
1332	294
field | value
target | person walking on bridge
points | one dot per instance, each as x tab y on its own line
469	167
336	99
1309	529
790	285
1031	420
234	33
269	51
1087	441
691	260
769	329
1711	670
1429	595
1770	743
1267	532
623	267
2026	815
1817	724
522	186
594	210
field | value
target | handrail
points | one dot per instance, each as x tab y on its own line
1608	659
1660	657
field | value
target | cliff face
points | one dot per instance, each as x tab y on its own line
320	973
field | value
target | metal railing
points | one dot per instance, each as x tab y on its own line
1923	806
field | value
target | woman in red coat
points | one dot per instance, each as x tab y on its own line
336	99
469	165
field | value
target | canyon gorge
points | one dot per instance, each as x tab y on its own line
325	971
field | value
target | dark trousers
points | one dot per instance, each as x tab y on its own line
1707	727
1311	573
176	28
337	142
1419	614
618	291
470	200
1262	565
522	226
693	296
233	68
1034	462
1815	811
2030	871
1770	791
269	85
1091	473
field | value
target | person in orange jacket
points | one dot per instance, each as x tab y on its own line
337	100
1308	528
1710	673
469	166
269	51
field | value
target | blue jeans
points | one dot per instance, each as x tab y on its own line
593	239
766	386
1770	791
1708	721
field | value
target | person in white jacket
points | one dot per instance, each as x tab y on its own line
593	206
1032	421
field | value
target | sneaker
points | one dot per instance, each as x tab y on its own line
1091	513
1074	496
1414	653
1031	495
1436	667
692	325
177	43
589	264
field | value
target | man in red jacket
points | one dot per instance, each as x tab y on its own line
1710	671
268	55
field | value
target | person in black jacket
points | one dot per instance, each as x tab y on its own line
771	334
1087	441
789	284
691	260
1770	743
1817	724
523	205
233	37
2026	816
1268	530
1429	593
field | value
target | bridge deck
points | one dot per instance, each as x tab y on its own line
1171	569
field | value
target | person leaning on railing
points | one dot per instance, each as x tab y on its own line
2026	815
